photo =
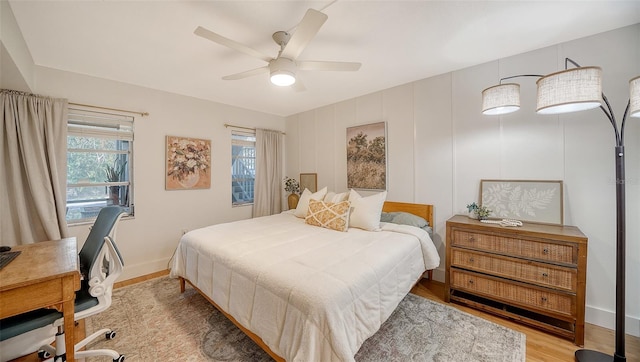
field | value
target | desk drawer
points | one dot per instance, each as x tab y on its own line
545	251
518	269
514	293
34	296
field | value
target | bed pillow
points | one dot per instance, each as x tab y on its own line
366	211
303	203
387	216
329	215
404	218
333	197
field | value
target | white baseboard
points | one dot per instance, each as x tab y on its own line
607	319
138	270
438	274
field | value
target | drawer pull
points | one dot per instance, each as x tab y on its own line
543	299
472	239
545	250
545	275
470	281
471	260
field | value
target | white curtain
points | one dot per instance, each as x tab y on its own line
267	198
33	176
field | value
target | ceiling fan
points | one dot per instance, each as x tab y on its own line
283	68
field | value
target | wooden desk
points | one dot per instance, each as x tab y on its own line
44	275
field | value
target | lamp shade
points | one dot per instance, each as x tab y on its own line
501	99
571	90
283	72
634	97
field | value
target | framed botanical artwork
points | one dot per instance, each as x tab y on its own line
309	181
188	163
367	156
538	201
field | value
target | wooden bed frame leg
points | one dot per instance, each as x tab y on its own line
182	286
430	274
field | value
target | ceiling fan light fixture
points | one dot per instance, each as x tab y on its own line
282	78
283	72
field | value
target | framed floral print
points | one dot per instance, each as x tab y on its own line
188	163
538	201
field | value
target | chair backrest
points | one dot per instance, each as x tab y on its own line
104	225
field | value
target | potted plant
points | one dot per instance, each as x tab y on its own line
292	186
115	173
478	212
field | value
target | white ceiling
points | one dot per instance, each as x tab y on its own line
151	43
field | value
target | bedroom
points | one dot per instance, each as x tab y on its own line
434	122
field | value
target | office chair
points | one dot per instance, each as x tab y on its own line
100	265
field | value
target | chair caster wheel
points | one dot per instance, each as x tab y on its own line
111	335
119	359
43	354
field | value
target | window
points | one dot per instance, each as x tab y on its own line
243	167
99	163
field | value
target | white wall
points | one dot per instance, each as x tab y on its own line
440	146
148	241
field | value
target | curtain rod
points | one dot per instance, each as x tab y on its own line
226	125
110	109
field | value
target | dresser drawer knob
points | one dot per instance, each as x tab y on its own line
471	281
543	299
545	275
471	260
545	250
472	239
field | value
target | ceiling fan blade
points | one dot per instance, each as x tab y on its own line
306	30
217	38
333	66
246	74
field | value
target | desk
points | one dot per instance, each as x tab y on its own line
44	275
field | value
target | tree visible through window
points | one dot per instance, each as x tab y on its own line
99	167
243	167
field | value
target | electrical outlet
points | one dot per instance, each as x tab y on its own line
184	231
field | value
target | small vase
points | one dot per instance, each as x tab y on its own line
292	200
190	180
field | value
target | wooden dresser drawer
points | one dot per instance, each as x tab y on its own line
534	274
539	250
513	293
518	269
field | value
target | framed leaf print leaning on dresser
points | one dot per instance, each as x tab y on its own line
539	201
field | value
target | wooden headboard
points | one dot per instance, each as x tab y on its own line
423	210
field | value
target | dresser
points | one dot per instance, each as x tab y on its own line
534	274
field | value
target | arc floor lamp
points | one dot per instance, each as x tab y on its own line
572	90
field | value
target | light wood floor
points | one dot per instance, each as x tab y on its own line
541	346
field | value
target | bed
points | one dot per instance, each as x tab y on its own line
303	292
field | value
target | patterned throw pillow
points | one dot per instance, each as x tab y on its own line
328	215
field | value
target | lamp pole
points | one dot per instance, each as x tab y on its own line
584	355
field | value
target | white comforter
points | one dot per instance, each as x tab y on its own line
311	294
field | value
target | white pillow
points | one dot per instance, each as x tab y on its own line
303	203
366	211
336	198
329	196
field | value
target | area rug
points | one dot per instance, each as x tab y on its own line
154	322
